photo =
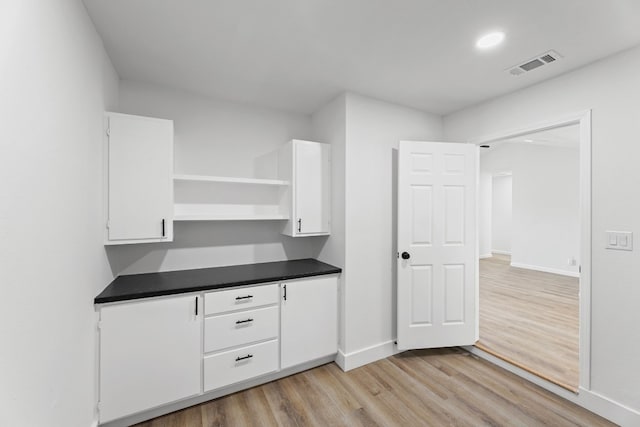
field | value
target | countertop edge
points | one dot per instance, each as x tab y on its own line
199	288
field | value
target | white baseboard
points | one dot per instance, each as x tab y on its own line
587	399
546	269
489	255
358	358
500	252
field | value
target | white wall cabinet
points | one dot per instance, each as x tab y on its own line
308	320
139	182
306	165
150	354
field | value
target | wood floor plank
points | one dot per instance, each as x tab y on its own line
530	318
440	387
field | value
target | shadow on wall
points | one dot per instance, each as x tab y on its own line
213	244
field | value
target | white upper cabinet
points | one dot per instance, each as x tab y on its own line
306	165
139	167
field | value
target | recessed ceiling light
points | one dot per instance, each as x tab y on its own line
490	40
528	140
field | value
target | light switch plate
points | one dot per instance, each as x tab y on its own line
619	240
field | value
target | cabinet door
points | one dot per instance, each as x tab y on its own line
312	187
150	355
140	179
309	320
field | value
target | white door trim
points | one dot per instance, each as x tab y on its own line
583	119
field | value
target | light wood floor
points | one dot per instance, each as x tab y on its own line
530	319
444	387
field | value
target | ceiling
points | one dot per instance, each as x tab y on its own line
296	55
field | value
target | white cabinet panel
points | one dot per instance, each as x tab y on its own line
309	320
239	328
150	355
140	179
306	165
240	364
240	298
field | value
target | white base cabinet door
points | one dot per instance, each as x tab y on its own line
309	320
150	354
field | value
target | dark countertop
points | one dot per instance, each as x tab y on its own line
147	285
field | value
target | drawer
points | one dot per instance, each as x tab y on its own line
240	328
240	298
241	364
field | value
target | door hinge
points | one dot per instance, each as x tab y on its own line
398	255
108	131
108	224
579	269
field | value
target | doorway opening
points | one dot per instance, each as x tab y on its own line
530	245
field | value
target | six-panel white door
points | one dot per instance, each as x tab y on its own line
437	245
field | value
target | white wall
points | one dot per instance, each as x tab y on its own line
222	138
611	89
56	82
373	129
329	126
501	209
535	212
546	209
485	197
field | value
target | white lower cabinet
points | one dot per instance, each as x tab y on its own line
309	320
240	335
159	351
150	354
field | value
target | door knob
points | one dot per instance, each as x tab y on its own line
405	255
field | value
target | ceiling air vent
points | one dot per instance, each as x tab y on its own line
533	63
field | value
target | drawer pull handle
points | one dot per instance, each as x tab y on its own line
248	356
244	297
239	322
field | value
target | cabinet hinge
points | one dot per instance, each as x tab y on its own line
397	254
108	223
108	131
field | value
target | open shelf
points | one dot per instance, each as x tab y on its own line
226	212
232	180
213	217
220	198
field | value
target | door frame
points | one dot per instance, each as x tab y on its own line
583	120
